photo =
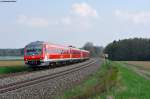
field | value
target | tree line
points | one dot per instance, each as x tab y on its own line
133	49
12	52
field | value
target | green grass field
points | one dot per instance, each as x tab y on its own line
12	66
114	80
130	85
13	69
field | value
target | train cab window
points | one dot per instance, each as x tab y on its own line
34	50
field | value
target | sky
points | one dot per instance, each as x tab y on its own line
72	22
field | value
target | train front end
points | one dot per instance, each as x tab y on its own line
34	54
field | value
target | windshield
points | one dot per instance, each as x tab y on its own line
34	50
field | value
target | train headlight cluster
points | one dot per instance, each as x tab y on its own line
26	61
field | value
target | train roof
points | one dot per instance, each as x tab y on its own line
43	42
84	50
35	43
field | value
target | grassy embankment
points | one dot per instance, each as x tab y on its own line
12	66
97	83
112	81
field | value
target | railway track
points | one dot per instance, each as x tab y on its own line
21	84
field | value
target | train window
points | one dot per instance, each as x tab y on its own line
53	51
57	51
62	52
34	50
75	52
65	52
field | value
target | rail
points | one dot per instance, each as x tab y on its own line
17	85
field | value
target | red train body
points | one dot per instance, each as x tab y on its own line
43	54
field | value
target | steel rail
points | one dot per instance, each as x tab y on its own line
18	85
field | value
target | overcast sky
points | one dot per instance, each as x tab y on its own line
72	22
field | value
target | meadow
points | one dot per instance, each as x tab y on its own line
12	66
130	84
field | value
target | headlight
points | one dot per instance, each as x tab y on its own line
26	61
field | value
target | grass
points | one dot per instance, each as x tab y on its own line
101	81
13	69
12	66
112	81
130	85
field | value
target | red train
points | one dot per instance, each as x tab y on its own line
39	53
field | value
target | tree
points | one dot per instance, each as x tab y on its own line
95	51
12	52
129	49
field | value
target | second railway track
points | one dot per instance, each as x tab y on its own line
21	84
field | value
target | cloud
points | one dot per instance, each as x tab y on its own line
32	21
136	17
80	16
66	20
83	9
